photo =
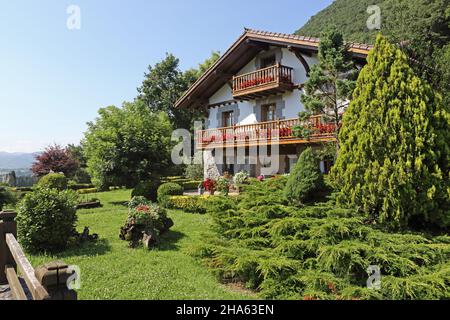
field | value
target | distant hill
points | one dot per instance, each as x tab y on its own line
9	161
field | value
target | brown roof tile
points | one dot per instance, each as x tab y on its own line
315	41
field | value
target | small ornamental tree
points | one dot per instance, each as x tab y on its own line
305	179
330	83
55	159
395	154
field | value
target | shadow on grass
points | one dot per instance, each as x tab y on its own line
169	241
119	203
90	249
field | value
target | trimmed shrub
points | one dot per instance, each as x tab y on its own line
46	219
147	189
173	178
189	204
72	185
87	191
187	184
53	181
305	179
168	189
191	185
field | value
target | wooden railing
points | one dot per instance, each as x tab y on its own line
47	282
280	131
272	75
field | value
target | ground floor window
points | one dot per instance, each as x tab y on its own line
326	165
291	162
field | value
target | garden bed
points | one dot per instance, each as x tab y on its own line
112	271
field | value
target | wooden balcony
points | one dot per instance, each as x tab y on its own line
266	133
262	83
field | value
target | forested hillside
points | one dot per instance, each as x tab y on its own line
420	27
398	17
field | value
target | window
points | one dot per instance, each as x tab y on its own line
291	162
269	113
268	61
326	165
227	119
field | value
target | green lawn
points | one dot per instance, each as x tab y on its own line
111	270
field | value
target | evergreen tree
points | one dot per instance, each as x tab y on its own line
420	27
305	179
331	81
395	157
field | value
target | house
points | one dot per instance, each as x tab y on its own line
251	99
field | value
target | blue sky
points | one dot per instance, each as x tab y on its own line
53	80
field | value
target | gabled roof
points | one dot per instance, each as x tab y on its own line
247	46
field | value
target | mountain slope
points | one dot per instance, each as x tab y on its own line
16	160
401	18
422	27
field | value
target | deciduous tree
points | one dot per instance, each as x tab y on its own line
55	159
164	83
124	146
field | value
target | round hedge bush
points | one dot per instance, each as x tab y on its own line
54	181
305	180
46	219
147	189
169	189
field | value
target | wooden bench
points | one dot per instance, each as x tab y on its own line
47	282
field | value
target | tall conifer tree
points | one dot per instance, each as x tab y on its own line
331	81
394	158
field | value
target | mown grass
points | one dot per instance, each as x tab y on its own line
111	270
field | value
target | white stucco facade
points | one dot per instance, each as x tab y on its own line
288	106
248	110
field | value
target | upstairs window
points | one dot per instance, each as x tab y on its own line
268	61
269	112
228	119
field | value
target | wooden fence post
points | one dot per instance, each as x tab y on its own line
7	225
53	276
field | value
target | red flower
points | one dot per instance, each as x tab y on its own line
332	287
143	208
209	185
309	298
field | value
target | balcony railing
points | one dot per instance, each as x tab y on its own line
263	133
263	82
